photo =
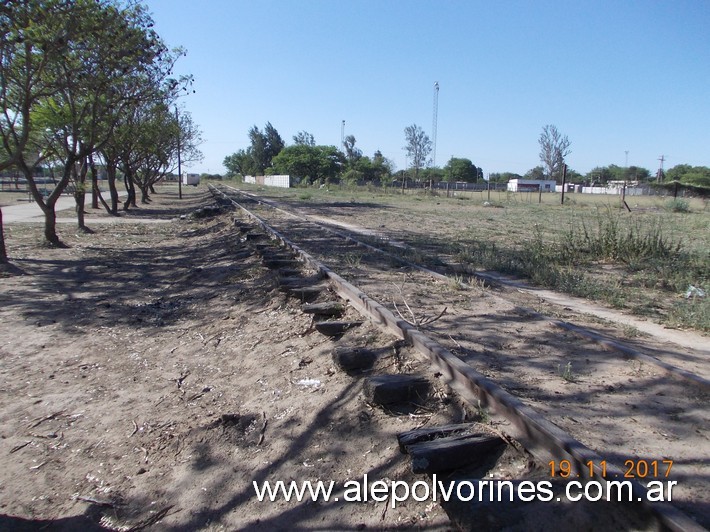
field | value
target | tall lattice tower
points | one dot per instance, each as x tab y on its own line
433	128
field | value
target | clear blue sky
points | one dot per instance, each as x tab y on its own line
611	75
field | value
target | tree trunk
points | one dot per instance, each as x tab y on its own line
79	198
3	251
50	227
48	205
111	174
131	189
94	184
145	198
80	195
100	198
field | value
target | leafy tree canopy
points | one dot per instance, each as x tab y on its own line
311	163
693	175
460	169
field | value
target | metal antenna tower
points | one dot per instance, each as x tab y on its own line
342	136
433	129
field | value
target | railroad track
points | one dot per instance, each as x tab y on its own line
566	391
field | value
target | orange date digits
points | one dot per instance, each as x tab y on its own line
647	468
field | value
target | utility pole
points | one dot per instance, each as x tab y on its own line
627	158
342	136
177	119
433	129
564	183
659	176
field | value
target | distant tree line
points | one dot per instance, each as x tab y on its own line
304	159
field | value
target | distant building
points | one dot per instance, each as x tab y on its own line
190	179
531	185
281	181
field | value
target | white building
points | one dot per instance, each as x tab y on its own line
531	185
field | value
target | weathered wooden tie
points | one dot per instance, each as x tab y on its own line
288	283
396	389
336	328
452	452
422	434
354	359
280	263
329	308
291	272
308	293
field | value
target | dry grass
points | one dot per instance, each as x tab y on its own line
642	261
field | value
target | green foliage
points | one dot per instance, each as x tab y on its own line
239	163
460	169
604	174
310	163
693	175
504	177
265	145
678	205
304	138
537	173
352	154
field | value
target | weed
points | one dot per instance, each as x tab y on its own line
353	259
630	331
566	372
481	415
305	196
693	311
678	205
456	282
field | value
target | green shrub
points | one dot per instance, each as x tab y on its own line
678	205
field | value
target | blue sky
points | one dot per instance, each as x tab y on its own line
611	75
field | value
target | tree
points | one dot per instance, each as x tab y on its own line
239	163
264	146
352	154
309	162
418	148
504	177
537	173
554	147
692	175
304	138
600	175
459	169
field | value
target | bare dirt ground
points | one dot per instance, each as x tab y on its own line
149	373
153	371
